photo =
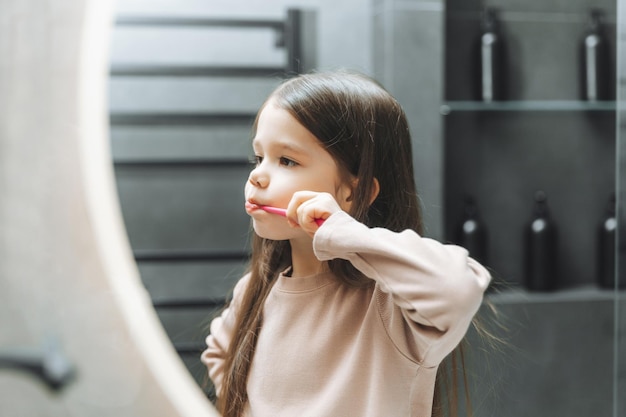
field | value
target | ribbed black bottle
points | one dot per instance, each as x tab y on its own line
472	233
606	247
595	65
540	271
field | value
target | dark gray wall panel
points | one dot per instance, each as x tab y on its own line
191	280
214	141
184	208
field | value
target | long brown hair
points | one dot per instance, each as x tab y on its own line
366	131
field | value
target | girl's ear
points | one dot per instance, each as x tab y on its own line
355	182
375	190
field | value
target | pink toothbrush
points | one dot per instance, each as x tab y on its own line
283	212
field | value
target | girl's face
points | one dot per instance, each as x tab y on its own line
288	159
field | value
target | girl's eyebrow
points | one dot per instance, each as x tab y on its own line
282	145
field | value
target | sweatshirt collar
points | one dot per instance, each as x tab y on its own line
287	283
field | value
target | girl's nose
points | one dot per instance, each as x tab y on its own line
258	179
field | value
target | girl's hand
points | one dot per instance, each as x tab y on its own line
307	206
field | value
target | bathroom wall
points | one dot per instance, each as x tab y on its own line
408	59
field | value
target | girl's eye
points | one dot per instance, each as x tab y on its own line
287	162
256	160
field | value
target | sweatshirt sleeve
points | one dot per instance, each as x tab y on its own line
221	333
437	288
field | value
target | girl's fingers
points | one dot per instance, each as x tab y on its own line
297	200
307	207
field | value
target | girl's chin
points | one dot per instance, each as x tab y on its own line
272	232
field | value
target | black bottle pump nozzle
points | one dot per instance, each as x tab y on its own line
488	22
541	248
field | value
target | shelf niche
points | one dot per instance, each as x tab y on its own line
542	137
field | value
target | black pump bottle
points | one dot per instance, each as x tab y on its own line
606	247
541	248
472	233
595	61
491	59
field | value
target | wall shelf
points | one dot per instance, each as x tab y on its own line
533	105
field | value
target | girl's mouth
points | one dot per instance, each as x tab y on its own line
250	207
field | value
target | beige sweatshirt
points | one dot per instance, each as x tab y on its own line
327	350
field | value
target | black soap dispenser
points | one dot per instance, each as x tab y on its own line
491	58
606	247
472	233
540	271
595	61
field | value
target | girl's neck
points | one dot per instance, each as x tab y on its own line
303	259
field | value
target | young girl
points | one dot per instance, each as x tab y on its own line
352	316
